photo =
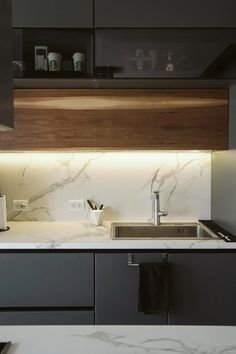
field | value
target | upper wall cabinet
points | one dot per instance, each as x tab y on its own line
53	13
164	13
119	119
6	82
165	53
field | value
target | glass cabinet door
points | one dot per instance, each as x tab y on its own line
164	53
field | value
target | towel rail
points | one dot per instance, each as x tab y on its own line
131	262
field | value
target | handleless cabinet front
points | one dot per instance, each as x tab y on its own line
6	77
202	289
52	13
117	285
165	13
33	280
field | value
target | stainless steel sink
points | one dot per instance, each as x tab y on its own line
177	231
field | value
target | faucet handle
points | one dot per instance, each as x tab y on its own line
163	213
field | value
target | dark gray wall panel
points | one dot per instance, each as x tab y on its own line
165	13
47	279
46	318
52	13
224	189
224	176
6	79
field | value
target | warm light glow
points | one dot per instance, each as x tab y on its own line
115	102
50	156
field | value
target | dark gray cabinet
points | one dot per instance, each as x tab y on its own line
202	289
117	290
53	13
46	288
6	78
75	288
165	53
36	280
165	13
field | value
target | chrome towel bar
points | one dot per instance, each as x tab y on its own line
131	260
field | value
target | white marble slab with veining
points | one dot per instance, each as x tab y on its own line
84	235
120	339
122	181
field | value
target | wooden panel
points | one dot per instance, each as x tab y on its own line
119	119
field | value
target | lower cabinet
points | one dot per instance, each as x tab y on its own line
202	289
46	288
117	286
83	288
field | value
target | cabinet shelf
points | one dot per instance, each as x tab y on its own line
66	42
121	83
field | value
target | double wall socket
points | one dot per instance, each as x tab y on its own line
20	205
76	205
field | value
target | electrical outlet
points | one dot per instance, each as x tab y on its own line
20	205
76	205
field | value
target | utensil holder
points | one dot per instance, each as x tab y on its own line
96	217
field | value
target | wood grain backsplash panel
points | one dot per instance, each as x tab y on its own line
119	119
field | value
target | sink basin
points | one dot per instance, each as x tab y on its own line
180	231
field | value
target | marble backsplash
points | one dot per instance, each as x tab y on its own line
123	182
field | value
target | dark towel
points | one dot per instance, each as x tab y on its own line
153	288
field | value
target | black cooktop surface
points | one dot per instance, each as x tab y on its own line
4	347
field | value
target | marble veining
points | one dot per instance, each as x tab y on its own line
120	339
83	235
123	182
155	345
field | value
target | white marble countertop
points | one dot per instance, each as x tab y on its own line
83	235
119	339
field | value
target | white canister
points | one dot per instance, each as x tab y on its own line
54	61
79	61
3	212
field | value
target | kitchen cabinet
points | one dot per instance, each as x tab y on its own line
65	41
202	290
117	290
119	119
165	53
163	13
6	78
60	285
72	288
52	13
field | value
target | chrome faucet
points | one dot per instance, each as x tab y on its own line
157	213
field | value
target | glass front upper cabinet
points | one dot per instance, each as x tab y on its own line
52	53
165	53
